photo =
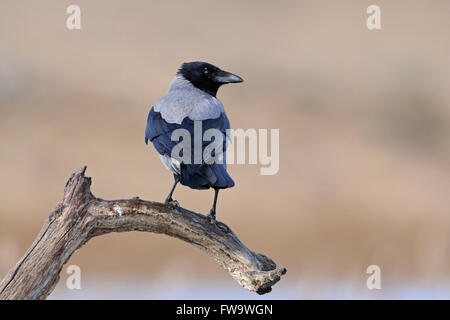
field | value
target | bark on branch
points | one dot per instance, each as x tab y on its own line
80	216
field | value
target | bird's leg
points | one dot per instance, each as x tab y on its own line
212	212
169	199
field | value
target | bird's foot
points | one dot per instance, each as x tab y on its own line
212	216
171	202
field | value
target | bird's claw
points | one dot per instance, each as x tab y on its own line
212	216
171	202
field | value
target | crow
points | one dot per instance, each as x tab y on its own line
191	103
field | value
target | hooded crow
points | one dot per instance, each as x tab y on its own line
190	100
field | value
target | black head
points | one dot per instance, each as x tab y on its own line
207	77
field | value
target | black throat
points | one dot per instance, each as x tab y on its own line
207	87
200	81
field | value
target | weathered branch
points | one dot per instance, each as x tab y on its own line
80	216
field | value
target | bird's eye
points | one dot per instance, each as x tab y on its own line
205	71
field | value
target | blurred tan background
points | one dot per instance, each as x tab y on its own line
364	123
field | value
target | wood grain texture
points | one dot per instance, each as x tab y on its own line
80	216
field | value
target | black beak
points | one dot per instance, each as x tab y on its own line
226	77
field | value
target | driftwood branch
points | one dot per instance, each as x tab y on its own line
80	216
